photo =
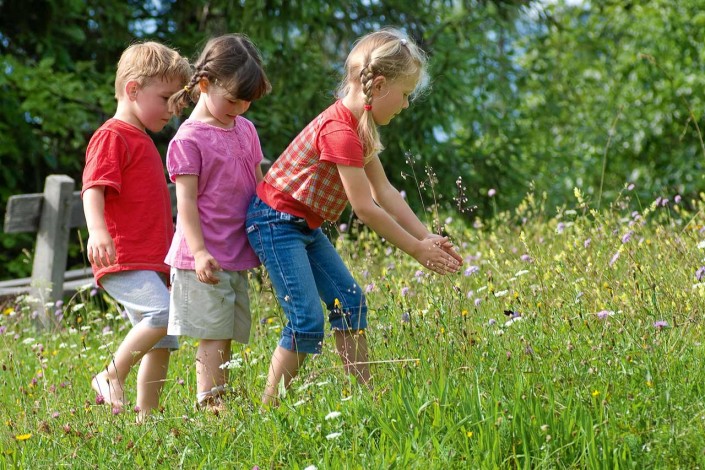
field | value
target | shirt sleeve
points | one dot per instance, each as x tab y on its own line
183	157
339	144
106	155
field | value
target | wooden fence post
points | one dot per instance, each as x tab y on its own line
51	250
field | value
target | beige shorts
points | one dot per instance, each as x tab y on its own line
206	311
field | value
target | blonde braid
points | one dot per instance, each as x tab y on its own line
367	128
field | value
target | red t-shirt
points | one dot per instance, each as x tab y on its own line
304	181
124	160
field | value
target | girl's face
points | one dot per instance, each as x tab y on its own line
150	103
223	107
389	98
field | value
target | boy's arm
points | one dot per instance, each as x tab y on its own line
187	205
100	247
427	251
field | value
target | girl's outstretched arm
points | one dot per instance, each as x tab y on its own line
389	198
186	202
427	251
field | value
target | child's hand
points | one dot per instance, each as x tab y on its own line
100	248
447	246
436	253
205	267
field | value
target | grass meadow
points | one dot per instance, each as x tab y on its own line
572	338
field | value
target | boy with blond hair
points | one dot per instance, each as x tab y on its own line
128	214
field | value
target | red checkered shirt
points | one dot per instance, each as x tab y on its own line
307	170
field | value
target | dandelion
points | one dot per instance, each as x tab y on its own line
333	415
595	393
660	324
468	434
23	437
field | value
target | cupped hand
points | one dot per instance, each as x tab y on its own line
436	253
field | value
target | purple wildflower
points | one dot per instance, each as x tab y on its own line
677	199
3	329
477	302
343	228
55	414
370	287
117	410
59	303
402	193
660	324
630	187
700	273
492	321
627	236
94	292
602	314
587	242
560	227
404	291
527	258
491	192
614	259
664	202
470	270
405	317
99	399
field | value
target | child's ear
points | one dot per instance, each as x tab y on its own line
203	85
131	88
378	83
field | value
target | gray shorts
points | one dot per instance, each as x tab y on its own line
145	297
210	311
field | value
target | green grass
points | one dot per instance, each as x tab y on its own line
585	379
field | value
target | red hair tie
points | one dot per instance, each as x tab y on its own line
367	107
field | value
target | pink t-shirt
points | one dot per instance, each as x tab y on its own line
124	160
224	161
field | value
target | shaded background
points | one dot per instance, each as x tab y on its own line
526	96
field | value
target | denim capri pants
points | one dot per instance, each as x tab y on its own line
305	269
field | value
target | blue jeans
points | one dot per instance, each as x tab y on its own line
305	269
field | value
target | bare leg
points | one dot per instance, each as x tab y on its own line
352	349
209	357
150	379
285	364
138	341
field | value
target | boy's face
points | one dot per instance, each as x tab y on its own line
150	102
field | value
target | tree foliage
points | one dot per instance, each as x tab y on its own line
524	94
